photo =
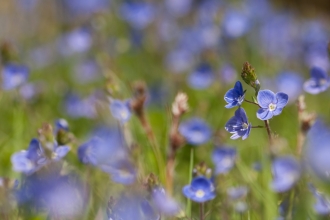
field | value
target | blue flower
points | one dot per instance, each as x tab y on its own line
238	125
286	172
317	151
31	160
195	131
121	172
319	81
224	159
200	190
271	104
120	110
164	203
237	192
138	14
202	77
322	204
14	75
235	96
61	124
228	73
75	42
235	23
290	83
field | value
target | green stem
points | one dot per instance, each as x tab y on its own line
201	211
191	166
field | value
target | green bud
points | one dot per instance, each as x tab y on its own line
151	182
249	76
202	169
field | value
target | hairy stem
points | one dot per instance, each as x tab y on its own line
201	211
251	102
258	126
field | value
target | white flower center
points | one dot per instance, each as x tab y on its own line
200	193
272	107
245	126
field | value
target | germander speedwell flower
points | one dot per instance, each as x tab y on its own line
200	190
318	82
271	104
238	125
235	96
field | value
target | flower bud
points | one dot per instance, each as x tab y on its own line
249	77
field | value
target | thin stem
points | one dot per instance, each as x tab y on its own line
258	126
191	166
201	211
251	102
291	203
269	136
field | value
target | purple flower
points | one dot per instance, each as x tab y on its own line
200	190
75	42
14	75
138	15
121	172
322	204
195	131
286	172
319	81
238	125
228	73
235	23
224	159
271	104
120	110
235	96
164	203
290	83
202	77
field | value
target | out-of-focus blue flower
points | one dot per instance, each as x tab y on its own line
77	107
237	192
87	71
31	160
179	60
120	110
208	10
200	190
319	81
322	203
138	14
163	203
224	159
30	90
290	83
86	7
228	73
235	23
271	104
235	96
59	196
107	152
75	42
286	172
317	150
238	125
14	75
209	35
42	56
121	172
195	131
202	77
178	7
61	124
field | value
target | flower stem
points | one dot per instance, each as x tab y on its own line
251	102
201	211
258	126
191	166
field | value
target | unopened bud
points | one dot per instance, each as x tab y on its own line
180	104
249	77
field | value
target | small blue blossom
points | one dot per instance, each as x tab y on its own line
195	131
317	151
235	23
271	104
319	81
179	60
75	42
235	96
224	159
14	75
31	160
202	77
178	8
120	110
121	172
87	71
228	73
237	192
138	14
286	172
200	190
238	125
61	124
77	107
164	203
290	83
322	203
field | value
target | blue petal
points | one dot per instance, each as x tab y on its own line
313	87
282	99
239	88
318	73
277	111
233	124
264	114
230	96
232	105
240	113
265	97
246	135
60	152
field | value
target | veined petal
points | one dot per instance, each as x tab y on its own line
282	99
265	97
277	111
240	113
230	95
264	114
233	124
232	104
318	73
239	88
